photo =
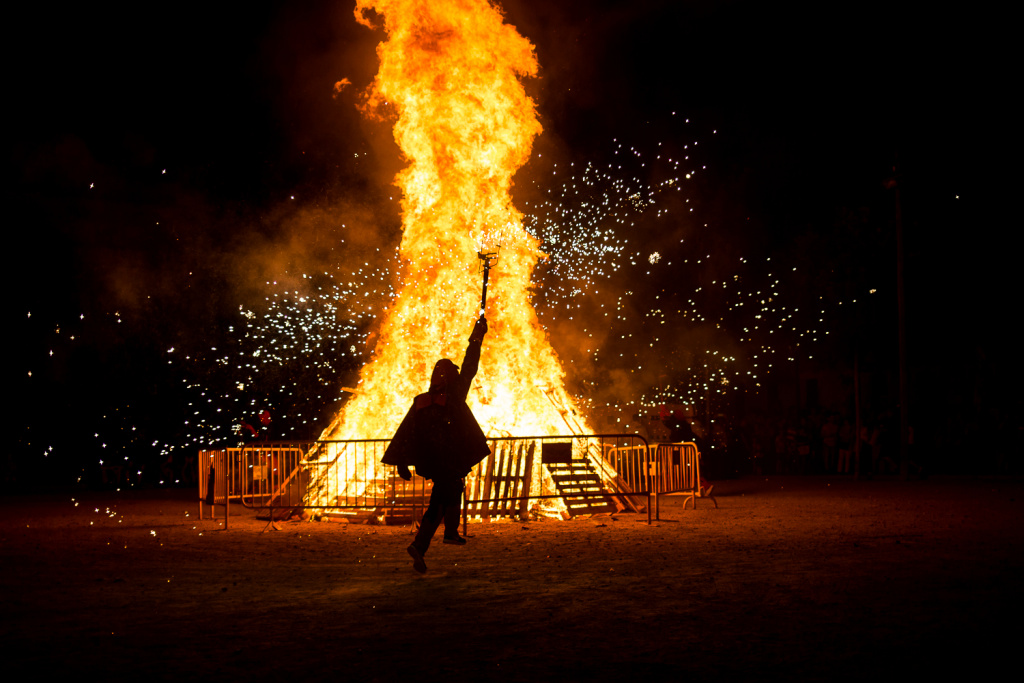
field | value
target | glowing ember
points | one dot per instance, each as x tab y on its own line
449	72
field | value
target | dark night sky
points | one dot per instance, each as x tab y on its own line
812	104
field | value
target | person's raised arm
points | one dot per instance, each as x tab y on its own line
471	363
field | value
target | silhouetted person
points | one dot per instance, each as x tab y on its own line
265	423
247	432
846	446
830	443
440	438
681	431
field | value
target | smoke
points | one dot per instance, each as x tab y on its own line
309	241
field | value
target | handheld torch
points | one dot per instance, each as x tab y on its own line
489	261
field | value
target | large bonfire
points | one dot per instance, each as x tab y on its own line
450	77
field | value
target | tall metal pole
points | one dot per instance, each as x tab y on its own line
901	306
856	411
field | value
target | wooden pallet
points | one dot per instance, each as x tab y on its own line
400	511
579	476
505	473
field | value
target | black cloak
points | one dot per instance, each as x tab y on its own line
439	436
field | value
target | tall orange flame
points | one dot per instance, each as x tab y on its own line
449	72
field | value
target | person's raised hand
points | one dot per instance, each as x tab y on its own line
479	330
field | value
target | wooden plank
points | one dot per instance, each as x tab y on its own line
506	473
514	476
524	505
487	481
503	480
478	482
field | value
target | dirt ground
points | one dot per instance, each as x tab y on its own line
790	578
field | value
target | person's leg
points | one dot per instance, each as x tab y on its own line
452	508
431	519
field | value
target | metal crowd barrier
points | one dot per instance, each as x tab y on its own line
346	478
213	482
506	475
267	475
676	469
